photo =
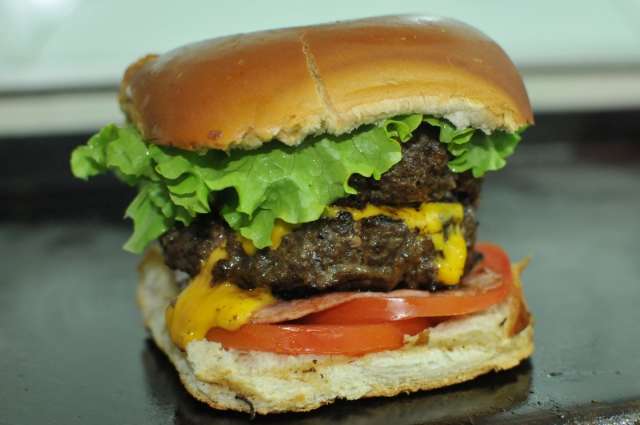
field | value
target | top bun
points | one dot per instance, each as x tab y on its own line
243	90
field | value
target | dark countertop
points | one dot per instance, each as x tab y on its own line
74	351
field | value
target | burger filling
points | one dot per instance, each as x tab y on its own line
387	213
413	228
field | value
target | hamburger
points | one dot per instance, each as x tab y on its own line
306	205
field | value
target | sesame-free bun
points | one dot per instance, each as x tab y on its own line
243	90
454	351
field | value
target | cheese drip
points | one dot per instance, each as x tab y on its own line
279	231
203	305
439	220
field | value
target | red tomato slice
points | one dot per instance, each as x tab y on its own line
494	258
366	325
350	340
470	299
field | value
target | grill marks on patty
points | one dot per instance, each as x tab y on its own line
376	253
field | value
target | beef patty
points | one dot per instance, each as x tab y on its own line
376	253
421	176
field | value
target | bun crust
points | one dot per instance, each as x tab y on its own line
243	90
258	382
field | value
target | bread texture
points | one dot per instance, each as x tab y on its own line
257	382
244	90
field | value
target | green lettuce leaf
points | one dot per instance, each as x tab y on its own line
473	149
251	188
151	215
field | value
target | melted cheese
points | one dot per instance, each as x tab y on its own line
439	220
247	245
203	305
279	231
453	257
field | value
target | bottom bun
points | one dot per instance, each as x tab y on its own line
258	382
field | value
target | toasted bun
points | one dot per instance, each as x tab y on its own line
258	382
243	90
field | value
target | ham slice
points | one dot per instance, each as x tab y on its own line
480	279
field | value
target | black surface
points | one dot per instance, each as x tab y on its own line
73	350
